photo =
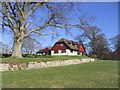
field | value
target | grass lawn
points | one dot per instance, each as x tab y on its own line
40	58
99	74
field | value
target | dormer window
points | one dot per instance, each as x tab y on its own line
61	44
75	45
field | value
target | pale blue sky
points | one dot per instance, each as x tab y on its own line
106	14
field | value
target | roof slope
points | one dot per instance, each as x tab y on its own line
66	41
44	50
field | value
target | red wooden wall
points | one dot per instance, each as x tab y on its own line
58	46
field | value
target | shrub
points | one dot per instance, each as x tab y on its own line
5	55
29	55
44	56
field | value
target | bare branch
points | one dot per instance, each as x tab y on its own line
26	4
36	29
6	24
33	9
39	28
18	5
3	13
27	25
8	15
43	34
12	9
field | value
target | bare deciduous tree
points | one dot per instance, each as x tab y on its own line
95	40
30	45
5	48
115	41
18	16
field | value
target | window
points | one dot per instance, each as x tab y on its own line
56	51
71	51
63	51
61	44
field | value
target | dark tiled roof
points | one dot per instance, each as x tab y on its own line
67	42
44	50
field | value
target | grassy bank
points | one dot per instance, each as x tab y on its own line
99	74
40	58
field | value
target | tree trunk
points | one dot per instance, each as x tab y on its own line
17	49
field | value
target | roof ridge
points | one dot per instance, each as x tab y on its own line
70	46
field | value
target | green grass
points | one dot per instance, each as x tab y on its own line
99	74
40	58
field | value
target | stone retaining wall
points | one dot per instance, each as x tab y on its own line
33	65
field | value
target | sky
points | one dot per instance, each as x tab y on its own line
106	14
